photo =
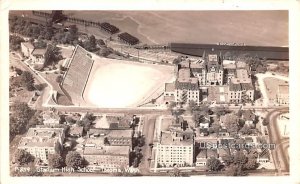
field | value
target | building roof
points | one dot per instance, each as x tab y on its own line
212	153
241	64
96	146
28	45
264	154
170	87
283	89
185	64
75	130
110	133
167	138
41	137
39	52
202	153
184	75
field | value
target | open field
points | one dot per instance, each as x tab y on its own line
115	83
250	27
272	86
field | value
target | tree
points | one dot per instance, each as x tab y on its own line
251	164
23	157
55	161
213	164
135	162
59	79
27	80
228	159
265	122
74	160
35	119
239	158
235	170
15	42
171	105
40	87
246	130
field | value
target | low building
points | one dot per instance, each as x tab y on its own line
38	56
283	95
27	48
51	118
76	131
249	118
263	156
41	142
201	158
113	137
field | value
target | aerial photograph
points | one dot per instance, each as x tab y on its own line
149	93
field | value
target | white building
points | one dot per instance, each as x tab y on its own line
283	95
41	142
27	48
175	145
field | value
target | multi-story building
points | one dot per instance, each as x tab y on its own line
113	137
27	48
175	146
199	70
215	72
102	156
41	142
186	87
283	95
240	87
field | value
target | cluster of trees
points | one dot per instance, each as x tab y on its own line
25	80
74	160
19	119
86	122
24	27
239	163
52	55
15	42
136	155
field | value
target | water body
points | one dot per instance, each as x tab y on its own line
265	28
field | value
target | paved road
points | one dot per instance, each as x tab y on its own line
279	154
148	131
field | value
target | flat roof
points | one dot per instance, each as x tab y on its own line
41	137
111	133
39	51
170	87
283	89
167	139
184	75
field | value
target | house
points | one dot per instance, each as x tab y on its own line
76	131
38	56
263	156
51	118
201	158
249	118
223	132
27	48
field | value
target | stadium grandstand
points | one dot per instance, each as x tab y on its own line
109	28
128	38
76	77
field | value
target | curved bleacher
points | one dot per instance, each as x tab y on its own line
77	75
